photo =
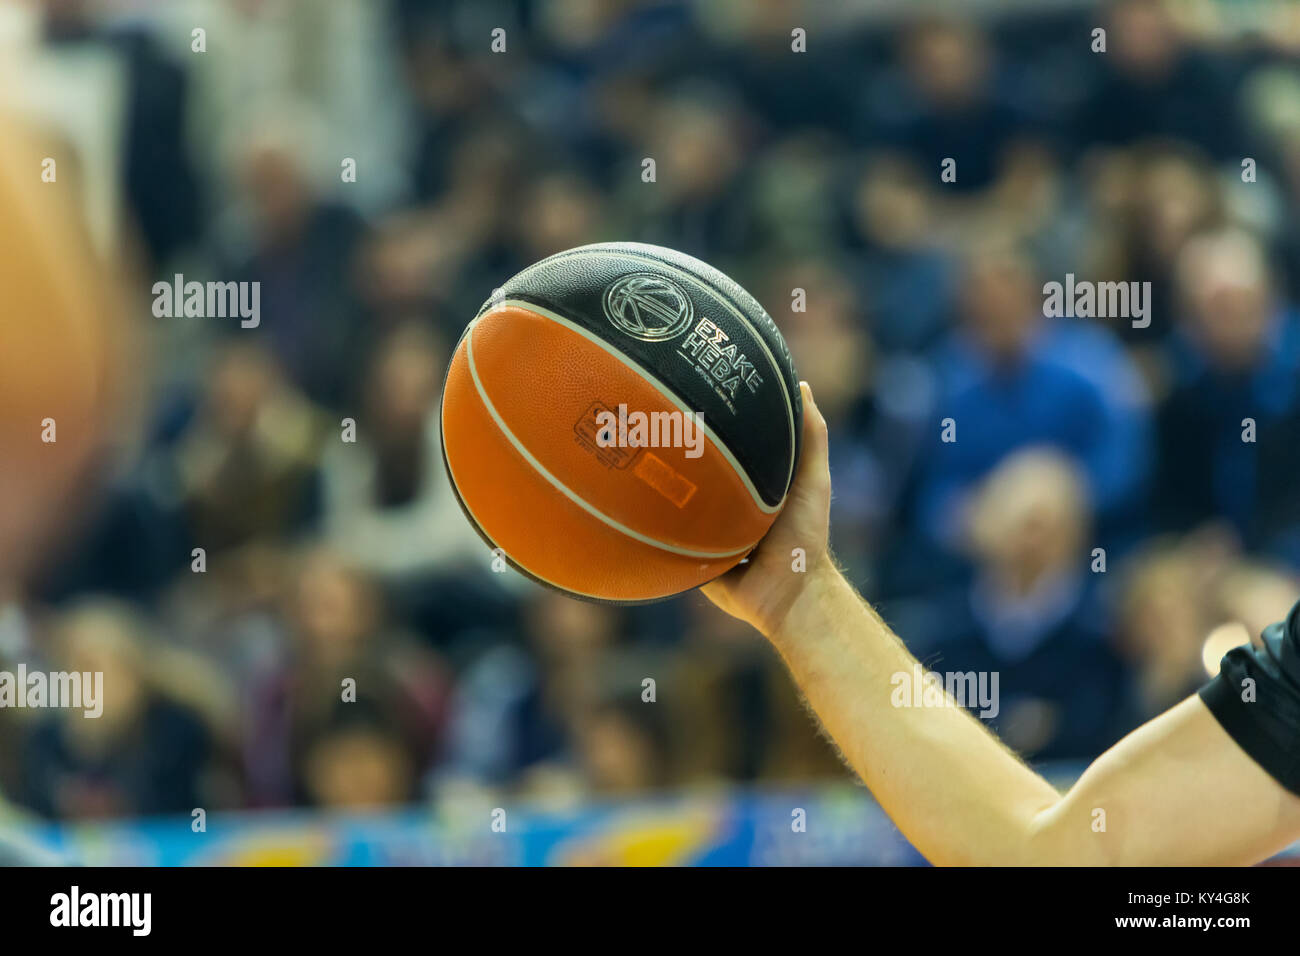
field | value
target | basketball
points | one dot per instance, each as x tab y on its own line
621	422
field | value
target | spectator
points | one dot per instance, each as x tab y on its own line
388	504
625	747
1007	380
949	105
906	277
874	405
149	752
339	650
358	760
300	251
1236	390
246	464
1169	194
1153	85
1163	620
1030	614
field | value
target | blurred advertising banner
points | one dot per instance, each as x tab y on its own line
829	826
826	827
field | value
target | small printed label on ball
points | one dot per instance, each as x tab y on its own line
663	478
588	428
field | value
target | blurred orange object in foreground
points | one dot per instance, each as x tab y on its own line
60	346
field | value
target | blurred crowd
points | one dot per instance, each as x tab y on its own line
1103	527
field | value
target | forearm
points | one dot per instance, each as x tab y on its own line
953	789
1178	790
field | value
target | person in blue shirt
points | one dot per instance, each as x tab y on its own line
1007	378
1230	425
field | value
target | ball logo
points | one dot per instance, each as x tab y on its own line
648	307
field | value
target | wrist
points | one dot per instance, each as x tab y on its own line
821	580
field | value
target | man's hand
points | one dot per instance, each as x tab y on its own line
762	591
1177	790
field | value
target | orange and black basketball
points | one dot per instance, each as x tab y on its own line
622	421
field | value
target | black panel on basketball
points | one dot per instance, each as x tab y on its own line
696	331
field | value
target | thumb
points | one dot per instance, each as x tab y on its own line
813	467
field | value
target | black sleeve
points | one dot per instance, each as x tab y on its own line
1256	697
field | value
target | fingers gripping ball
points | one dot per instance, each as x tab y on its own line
622	421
